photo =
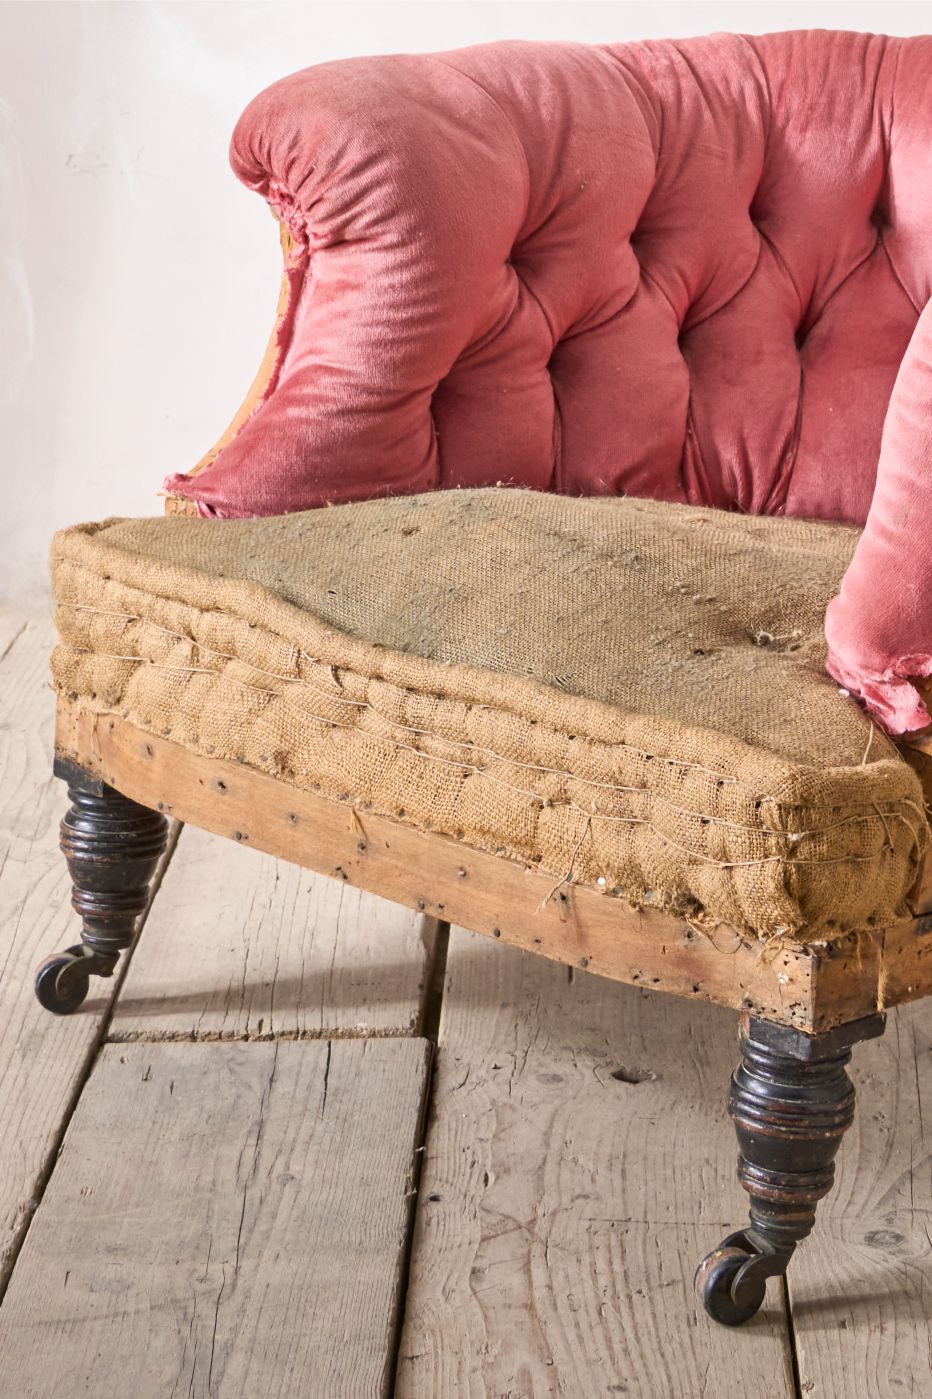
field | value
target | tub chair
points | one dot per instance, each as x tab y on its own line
612	367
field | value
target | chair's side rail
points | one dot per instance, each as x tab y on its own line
812	988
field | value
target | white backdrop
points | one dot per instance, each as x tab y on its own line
137	277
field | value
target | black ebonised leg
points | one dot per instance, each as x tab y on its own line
112	846
792	1102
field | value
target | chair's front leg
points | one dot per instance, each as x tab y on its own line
791	1101
112	846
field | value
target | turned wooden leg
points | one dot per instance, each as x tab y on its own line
112	846
792	1102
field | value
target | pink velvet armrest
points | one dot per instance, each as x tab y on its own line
879	628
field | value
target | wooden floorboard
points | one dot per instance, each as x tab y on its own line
861	1286
43	1059
578	1163
226	1221
12	624
239	944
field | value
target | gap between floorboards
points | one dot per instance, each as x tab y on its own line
87	1068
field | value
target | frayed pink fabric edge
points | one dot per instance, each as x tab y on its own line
891	697
182	483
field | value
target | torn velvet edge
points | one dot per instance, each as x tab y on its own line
282	203
890	697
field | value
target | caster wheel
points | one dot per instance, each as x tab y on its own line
726	1297
62	981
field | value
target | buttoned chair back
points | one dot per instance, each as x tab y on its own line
685	270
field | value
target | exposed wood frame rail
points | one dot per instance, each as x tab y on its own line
813	988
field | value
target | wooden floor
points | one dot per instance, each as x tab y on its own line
314	1145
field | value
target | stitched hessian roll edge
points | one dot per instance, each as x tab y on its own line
689	820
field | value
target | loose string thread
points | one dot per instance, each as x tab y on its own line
587	830
793	837
297	680
698	855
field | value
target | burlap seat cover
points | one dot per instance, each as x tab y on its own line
625	693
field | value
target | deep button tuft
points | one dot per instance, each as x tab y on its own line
879	218
554	353
756	214
800	335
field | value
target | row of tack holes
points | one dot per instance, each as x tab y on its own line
689	934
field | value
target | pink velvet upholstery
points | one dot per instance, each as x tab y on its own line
879	628
683	270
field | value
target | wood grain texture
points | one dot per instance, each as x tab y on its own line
226	1221
239	944
861	1286
13	623
43	1059
578	1164
513	903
